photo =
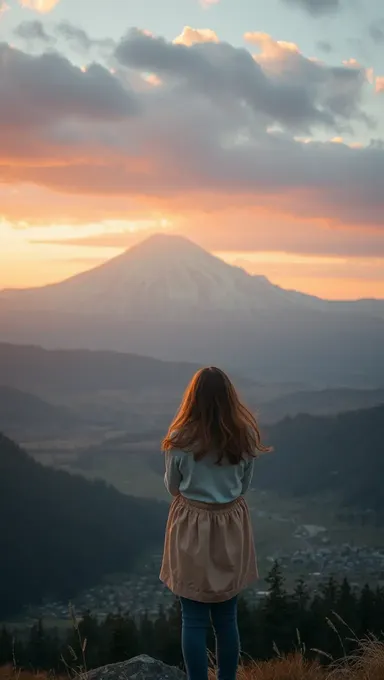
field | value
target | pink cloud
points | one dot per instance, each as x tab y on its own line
380	84
41	6
193	36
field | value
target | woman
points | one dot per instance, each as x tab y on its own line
209	555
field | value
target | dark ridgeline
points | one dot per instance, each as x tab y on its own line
60	533
282	623
34	369
22	413
318	455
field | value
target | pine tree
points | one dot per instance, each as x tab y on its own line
37	646
147	644
91	642
276	620
6	647
365	611
124	639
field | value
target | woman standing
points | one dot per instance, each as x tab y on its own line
209	554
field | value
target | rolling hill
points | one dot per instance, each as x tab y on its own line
60	371
23	414
61	533
320	402
339	455
170	299
342	454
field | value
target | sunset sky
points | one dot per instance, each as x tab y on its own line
254	127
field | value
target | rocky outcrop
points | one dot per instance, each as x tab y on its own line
139	668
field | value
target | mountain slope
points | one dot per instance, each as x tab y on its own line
315	455
320	402
39	370
163	273
22	412
170	299
60	533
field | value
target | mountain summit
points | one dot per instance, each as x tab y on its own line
170	299
163	274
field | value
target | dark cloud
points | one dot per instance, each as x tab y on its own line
76	37
79	39
317	7
35	90
303	95
32	31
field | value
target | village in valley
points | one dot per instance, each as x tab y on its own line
141	592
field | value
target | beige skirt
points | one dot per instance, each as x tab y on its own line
209	552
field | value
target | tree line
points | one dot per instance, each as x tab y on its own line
327	624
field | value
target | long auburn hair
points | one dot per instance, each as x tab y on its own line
211	418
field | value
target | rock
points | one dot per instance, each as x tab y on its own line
139	668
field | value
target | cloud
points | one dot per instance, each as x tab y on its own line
79	38
41	6
220	133
279	85
316	7
36	90
32	31
380	84
74	36
192	36
242	230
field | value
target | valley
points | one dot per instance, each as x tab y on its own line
92	396
313	536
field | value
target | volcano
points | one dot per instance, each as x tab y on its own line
168	298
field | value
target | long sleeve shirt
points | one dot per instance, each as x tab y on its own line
204	480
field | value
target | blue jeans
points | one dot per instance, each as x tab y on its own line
196	619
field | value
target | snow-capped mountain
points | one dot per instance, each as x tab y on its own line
170	299
164	274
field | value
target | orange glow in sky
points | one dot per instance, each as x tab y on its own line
238	143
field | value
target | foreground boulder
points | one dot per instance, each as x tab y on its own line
139	668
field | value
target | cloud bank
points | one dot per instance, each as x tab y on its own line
190	126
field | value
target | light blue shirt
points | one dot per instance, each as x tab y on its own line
204	480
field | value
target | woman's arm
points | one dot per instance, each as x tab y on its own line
172	476
248	474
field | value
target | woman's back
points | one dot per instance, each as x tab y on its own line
209	553
204	480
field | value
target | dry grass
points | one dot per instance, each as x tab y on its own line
367	664
293	667
11	673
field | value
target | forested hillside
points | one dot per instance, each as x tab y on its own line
314	455
61	533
